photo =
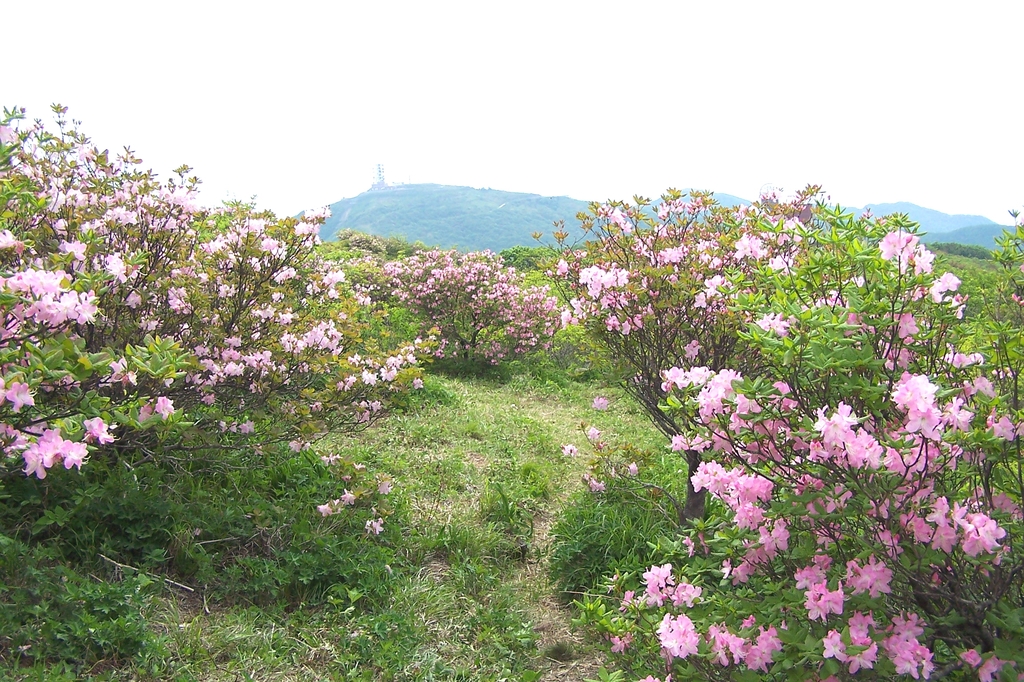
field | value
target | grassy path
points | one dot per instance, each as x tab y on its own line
486	478
479	465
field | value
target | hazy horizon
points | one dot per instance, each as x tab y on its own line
295	104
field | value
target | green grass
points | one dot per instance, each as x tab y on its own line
457	588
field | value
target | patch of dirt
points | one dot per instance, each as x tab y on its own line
436	569
567	653
478	461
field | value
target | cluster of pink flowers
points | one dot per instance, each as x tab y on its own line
868	435
481	307
167	313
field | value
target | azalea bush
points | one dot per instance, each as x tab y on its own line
480	307
139	325
648	285
864	476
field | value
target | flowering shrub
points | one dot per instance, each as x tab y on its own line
480	307
132	315
864	476
650	287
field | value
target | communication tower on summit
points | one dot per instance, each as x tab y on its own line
379	182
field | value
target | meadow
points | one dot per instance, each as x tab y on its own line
766	442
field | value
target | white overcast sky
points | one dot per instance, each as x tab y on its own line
294	103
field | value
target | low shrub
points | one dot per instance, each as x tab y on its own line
52	613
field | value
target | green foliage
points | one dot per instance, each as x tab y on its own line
597	535
574	356
244	533
979	282
526	258
53	613
510	515
965	250
349	244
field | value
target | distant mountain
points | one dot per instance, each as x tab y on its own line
931	221
448	216
978	235
463	217
476	219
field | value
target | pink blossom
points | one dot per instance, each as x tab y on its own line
96	431
834	647
569	450
980	533
375	526
916	395
971	657
750	247
907	326
657	580
600	403
678	637
835	430
723	642
164	407
686	593
865	659
774	322
1004	429
76	248
620	644
872	578
898	245
759	654
948	282
990	668
19	396
984	386
820	602
809	576
116	267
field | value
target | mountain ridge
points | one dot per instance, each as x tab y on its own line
452	216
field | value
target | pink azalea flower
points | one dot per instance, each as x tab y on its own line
678	636
19	395
96	431
164	407
620	644
834	647
865	659
820	602
971	657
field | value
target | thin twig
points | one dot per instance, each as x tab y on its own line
207	542
166	580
